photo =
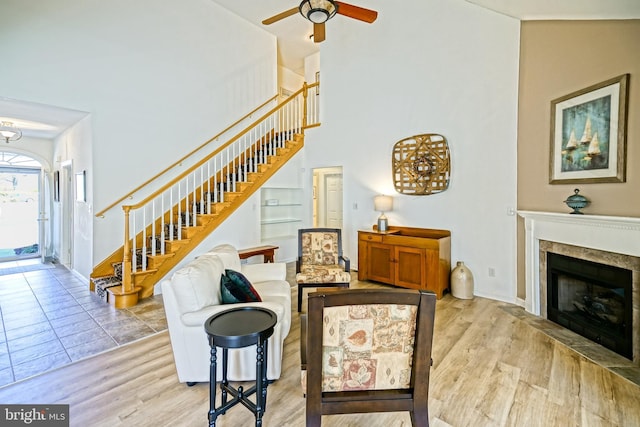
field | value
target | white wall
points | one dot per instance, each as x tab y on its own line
289	80
158	77
76	143
430	66
311	65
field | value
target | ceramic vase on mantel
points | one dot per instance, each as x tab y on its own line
462	281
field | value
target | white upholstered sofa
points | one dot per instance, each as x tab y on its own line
192	295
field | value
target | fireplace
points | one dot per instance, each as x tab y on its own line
591	299
604	240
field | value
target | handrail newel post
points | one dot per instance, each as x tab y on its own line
305	92
126	259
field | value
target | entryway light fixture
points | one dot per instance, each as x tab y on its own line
318	11
10	132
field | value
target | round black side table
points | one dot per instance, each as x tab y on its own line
237	328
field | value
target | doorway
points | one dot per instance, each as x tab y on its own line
20	178
327	197
67	201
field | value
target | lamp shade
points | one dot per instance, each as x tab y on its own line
10	132
383	203
318	11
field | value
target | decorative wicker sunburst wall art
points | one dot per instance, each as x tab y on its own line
421	165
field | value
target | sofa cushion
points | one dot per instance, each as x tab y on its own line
196	285
235	288
229	256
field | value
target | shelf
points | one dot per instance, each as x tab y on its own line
280	221
280	237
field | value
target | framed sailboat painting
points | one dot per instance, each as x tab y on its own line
588	134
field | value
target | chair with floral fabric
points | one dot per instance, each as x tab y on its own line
320	262
368	350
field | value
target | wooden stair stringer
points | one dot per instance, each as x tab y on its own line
105	267
258	180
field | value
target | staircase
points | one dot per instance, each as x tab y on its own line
173	220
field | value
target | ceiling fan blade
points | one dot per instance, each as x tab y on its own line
281	15
318	33
356	12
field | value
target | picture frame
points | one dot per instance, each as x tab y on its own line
588	134
81	186
56	186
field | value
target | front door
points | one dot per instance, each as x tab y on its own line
20	233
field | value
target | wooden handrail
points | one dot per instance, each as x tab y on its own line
217	150
159	174
288	119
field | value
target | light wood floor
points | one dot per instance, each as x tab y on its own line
490	368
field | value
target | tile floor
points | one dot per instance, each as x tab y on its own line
50	318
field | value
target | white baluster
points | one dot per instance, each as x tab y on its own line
134	258
209	187
153	227
179	210
234	167
143	255
162	225
194	209
171	236
202	205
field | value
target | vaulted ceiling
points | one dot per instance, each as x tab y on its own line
293	33
294	43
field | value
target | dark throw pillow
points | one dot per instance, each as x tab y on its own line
234	288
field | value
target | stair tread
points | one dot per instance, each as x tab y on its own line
106	281
142	273
160	256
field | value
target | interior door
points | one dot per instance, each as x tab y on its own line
67	202
333	185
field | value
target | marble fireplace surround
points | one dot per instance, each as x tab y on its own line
604	239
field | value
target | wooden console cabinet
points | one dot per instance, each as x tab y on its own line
417	258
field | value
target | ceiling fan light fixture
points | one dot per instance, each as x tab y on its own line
318	11
10	132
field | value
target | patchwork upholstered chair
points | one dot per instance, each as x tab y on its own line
368	350
320	261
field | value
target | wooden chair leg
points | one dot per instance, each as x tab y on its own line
313	420
420	416
300	292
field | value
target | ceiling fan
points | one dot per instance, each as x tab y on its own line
320	11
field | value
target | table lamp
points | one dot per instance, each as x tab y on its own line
383	204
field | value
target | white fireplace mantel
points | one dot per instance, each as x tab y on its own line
606	233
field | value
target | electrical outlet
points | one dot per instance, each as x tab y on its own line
355	206
492	272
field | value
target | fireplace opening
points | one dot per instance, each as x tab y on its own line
591	299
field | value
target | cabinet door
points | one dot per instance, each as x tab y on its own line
380	266
410	267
